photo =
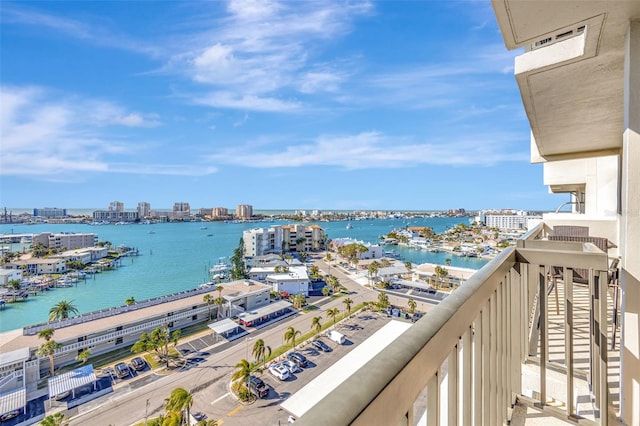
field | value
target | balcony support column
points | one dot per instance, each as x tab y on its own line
630	232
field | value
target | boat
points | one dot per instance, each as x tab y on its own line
203	227
209	235
219	271
349	226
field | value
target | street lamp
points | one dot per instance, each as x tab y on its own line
146	411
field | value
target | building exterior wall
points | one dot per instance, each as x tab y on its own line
50	212
114	216
262	241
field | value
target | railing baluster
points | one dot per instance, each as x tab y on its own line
486	368
542	301
499	354
477	370
465	388
603	356
517	333
433	401
568	337
452	386
493	388
595	337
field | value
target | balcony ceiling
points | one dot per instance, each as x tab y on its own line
574	101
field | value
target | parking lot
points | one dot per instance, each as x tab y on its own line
216	402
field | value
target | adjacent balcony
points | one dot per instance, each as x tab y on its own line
531	335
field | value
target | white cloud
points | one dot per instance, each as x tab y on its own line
49	135
370	150
247	102
264	47
81	28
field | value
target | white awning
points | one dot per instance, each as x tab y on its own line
255	314
71	380
13	400
223	326
300	402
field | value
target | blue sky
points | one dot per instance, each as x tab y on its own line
283	105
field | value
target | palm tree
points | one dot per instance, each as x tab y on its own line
260	351
48	349
219	290
62	310
412	305
333	313
316	324
219	301
348	302
243	372
84	356
130	301
325	291
46	334
180	400
383	300
373	269
290	336
208	299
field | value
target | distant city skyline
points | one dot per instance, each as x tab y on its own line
282	105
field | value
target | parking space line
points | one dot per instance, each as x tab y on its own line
234	411
222	397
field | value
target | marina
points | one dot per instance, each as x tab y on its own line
176	257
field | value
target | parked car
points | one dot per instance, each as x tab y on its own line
416	316
336	336
258	387
10	415
138	363
280	371
63	395
291	366
298	358
122	370
320	345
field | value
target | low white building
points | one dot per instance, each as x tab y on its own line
7	275
295	281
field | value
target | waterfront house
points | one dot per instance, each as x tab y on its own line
548	330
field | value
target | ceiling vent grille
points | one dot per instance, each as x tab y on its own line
548	41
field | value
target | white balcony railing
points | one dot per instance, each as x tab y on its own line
485	348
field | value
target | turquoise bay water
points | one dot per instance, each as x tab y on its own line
177	256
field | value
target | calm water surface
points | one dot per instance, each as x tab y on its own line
177	256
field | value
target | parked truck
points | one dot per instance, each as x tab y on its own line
336	336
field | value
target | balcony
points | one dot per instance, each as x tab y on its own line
530	335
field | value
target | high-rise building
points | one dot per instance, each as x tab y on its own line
244	211
144	209
220	212
116	206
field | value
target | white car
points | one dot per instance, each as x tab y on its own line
280	371
291	366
